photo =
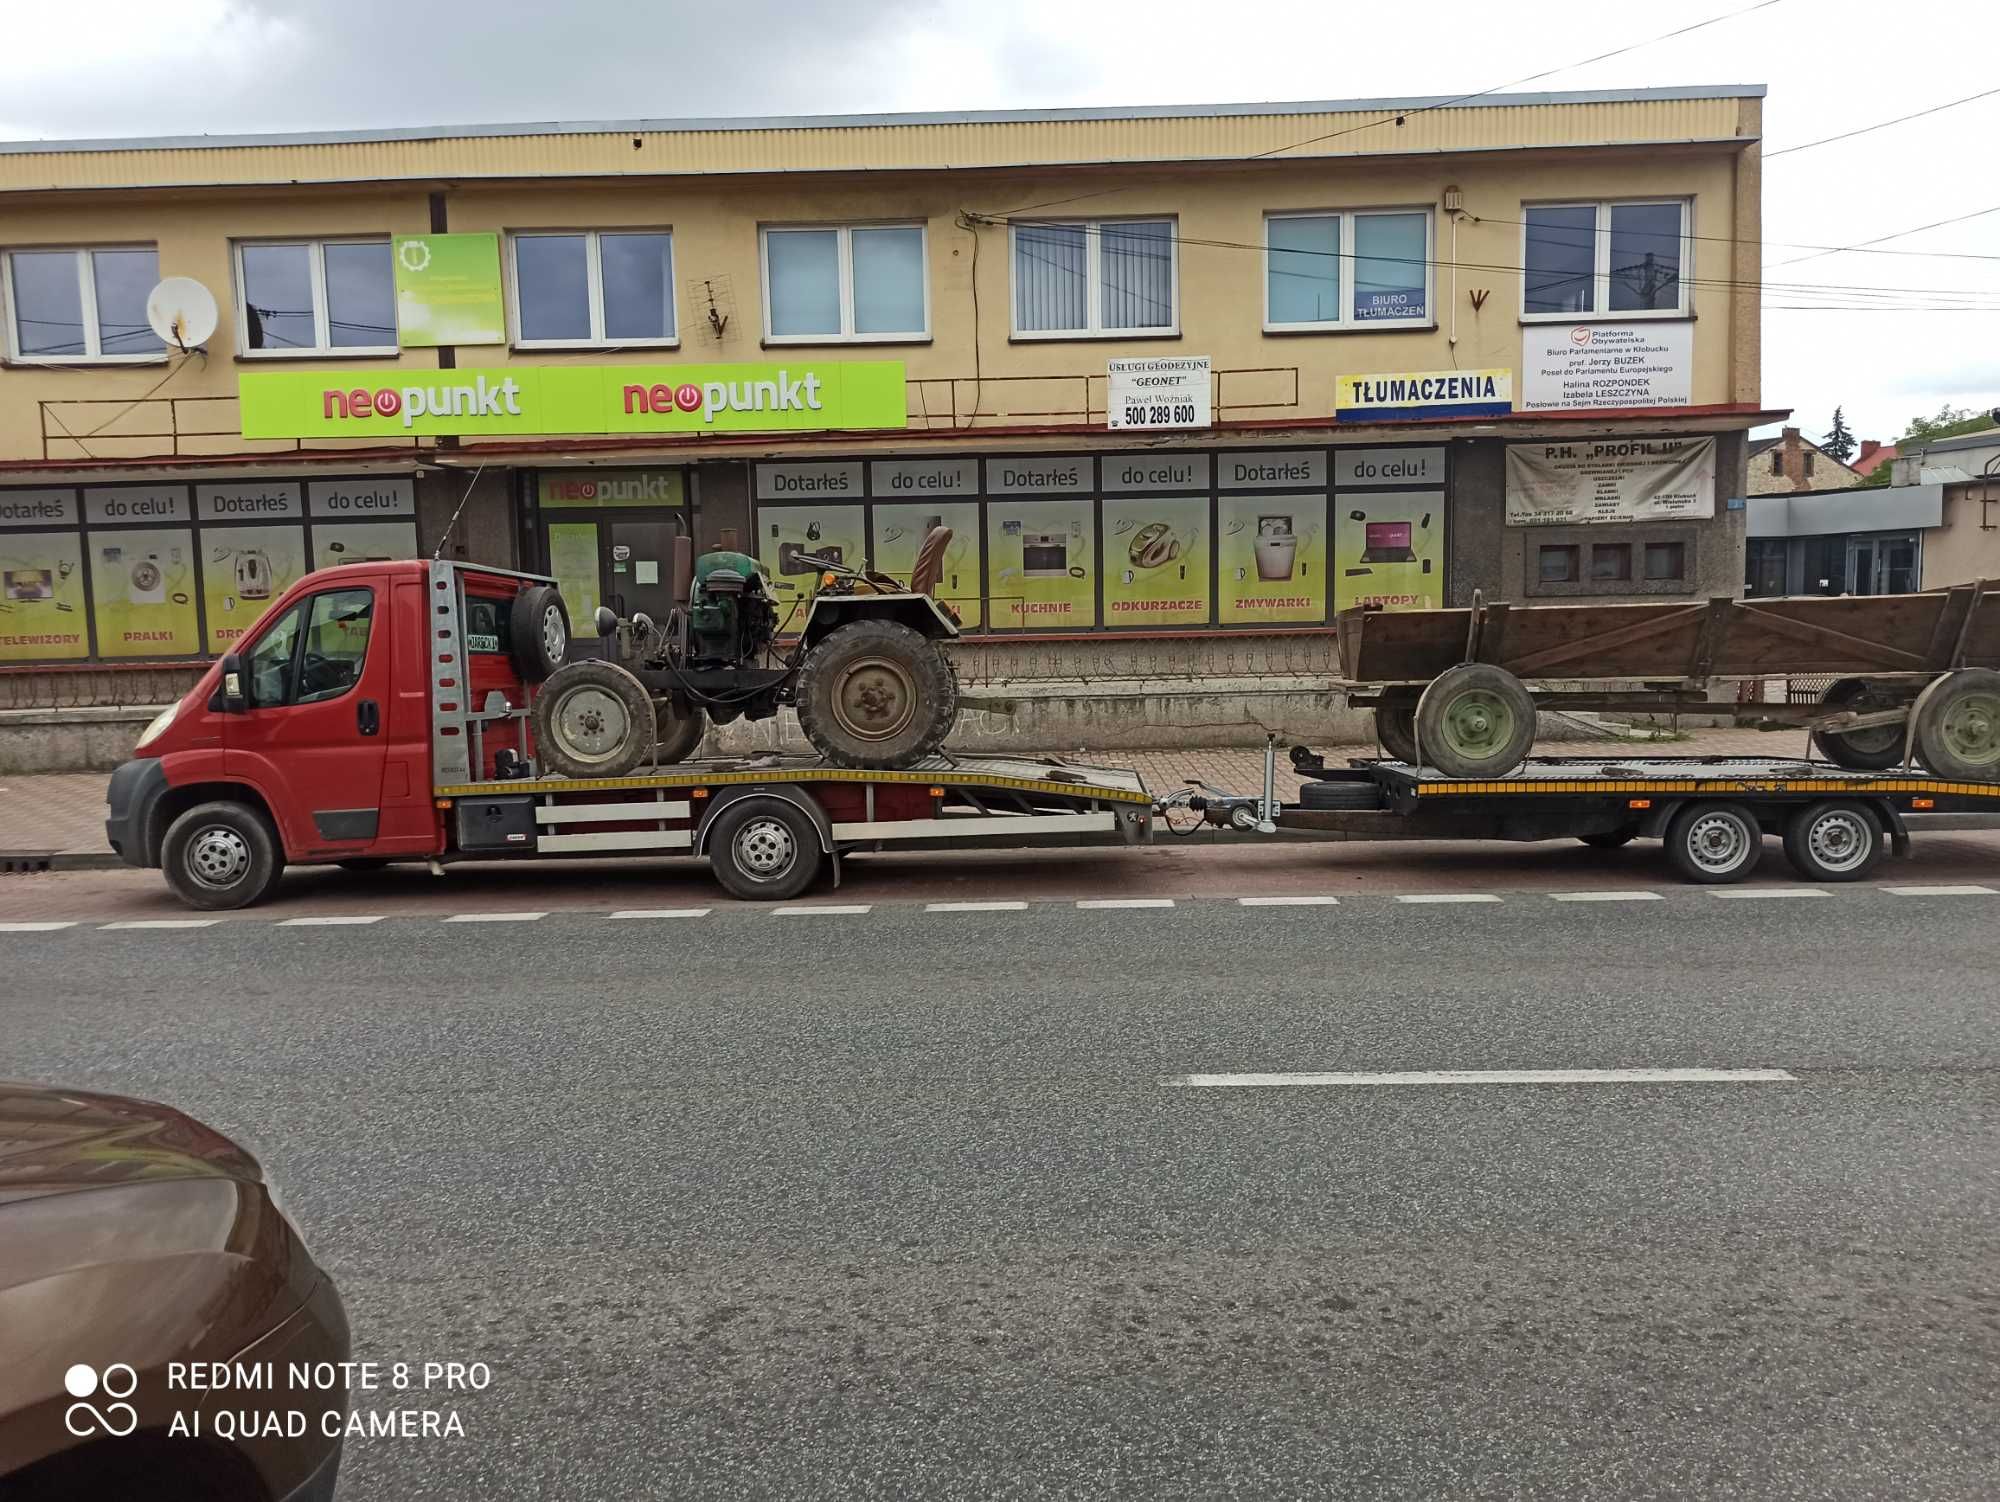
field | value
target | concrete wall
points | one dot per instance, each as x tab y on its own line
1965	545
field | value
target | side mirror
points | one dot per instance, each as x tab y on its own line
234	697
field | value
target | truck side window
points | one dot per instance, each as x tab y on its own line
336	643
486	622
271	660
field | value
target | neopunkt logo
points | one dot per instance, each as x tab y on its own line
118	1381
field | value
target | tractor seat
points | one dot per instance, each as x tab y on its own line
929	567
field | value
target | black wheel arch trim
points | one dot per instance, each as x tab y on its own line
725	798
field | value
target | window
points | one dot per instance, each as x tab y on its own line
843	283
1668	560
1807	456
1381	259
1558	563
1603	259
1777	461
1093	279
80	304
311	297
314	651
594	287
1610	562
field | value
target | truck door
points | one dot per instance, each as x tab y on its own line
311	738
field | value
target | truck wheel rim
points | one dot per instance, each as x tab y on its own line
1970	728
591	723
1839	841
874	699
1477	724
555	640
218	857
765	849
1717	842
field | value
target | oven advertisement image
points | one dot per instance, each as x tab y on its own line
1389	550
1039	557
1156	562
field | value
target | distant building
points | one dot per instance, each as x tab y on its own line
1789	462
1874	454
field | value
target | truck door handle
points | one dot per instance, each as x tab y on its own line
368	717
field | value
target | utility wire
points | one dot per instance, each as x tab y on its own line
1879	125
1901	234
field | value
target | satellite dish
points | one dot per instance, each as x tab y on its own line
181	311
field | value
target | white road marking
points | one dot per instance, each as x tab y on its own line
819	907
975	907
1605	896
329	922
1499	1077
494	917
1110	902
34	928
163	923
1448	897
662	912
1288	902
1768	892
1969	890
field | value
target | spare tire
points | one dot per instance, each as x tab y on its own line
1347	793
537	632
592	719
876	693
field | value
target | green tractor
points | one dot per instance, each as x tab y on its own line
867	674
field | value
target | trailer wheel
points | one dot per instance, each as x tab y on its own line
764	850
537	632
1834	841
1715	843
1874	749
1396	725
221	855
1475	720
592	719
876	694
1958	726
676	734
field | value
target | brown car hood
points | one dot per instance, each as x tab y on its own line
60	1141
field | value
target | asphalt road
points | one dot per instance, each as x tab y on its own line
897	1204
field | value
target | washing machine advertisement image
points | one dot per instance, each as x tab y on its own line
243	570
1271	550
143	584
1156	562
1389	550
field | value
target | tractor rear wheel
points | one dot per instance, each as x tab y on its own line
592	719
676	734
876	694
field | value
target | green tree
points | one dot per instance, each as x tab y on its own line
1839	438
1950	422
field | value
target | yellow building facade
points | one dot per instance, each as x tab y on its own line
1162	371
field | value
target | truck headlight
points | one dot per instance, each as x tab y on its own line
160	722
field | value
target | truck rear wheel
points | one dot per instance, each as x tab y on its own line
221	855
1834	841
1475	720
876	694
675	735
1396	725
1714	843
765	850
1874	749
592	719
1958	726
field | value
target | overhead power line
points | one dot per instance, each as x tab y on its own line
1880	125
1901	234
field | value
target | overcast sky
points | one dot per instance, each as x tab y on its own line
167	67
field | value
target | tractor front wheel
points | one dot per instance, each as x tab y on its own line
592	719
876	694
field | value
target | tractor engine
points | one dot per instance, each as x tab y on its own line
731	617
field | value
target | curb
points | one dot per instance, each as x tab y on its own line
20	862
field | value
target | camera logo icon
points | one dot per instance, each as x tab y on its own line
117	1380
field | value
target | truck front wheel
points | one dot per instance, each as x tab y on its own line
876	694
221	855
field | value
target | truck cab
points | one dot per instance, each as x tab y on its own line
313	741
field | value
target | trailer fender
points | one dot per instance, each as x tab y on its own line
725	797
1899	832
1654	825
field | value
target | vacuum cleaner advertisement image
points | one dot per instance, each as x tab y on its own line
1272	553
1156	562
1389	550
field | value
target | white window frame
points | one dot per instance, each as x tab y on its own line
1600	310
1347	323
593	267
844	252
322	347
92	334
1093	295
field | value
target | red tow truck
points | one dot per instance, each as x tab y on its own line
379	712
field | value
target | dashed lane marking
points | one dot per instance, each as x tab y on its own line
35	928
662	912
975	907
1605	896
495	917
1967	890
1768	892
1498	1077
1102	903
819	907
340	921
1288	902
1428	897
163	923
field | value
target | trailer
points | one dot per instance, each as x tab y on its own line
1914	675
